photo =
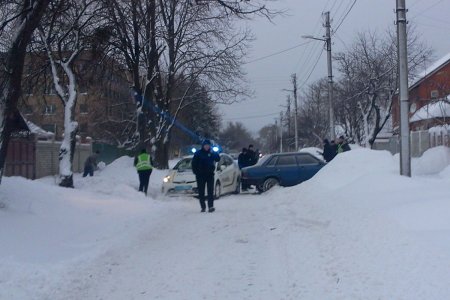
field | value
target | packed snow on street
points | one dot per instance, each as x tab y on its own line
357	230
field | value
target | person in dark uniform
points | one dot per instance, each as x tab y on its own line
203	166
91	164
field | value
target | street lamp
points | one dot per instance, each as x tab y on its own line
313	38
327	40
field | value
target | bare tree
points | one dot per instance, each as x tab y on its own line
235	136
200	45
313	114
64	34
134	42
19	20
369	82
268	138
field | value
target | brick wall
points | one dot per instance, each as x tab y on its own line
47	162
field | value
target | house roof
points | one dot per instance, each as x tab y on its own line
438	109
433	68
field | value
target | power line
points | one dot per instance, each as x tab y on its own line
312	70
309	50
426	9
338	20
277	53
345	16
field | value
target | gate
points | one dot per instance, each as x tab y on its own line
21	157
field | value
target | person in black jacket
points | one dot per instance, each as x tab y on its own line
242	163
251	156
329	151
242	159
203	166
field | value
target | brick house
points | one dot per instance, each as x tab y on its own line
428	95
104	97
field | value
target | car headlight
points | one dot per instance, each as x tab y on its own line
166	179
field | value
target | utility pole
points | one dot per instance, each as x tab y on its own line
330	75
294	83
276	136
289	118
405	151
281	132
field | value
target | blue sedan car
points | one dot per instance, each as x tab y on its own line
284	169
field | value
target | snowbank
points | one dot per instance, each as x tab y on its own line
350	166
46	230
433	161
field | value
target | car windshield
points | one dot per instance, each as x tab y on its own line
184	165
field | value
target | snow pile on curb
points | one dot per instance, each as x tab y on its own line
350	166
433	161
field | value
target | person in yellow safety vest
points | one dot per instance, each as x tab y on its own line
144	167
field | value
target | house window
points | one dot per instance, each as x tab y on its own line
83	108
83	89
49	88
49	109
49	127
434	94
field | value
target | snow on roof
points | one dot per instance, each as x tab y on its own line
430	70
439	109
38	130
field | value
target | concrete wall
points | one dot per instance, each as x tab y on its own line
47	161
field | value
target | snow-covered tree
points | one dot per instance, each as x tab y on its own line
64	34
18	20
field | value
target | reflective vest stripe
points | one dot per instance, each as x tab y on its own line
144	162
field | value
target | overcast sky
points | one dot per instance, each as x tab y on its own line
268	77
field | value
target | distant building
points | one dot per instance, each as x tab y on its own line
104	103
429	98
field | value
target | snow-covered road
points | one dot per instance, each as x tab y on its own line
251	248
356	231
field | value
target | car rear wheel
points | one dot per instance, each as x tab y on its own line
217	190
267	184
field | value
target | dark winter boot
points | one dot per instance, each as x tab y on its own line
203	210
211	209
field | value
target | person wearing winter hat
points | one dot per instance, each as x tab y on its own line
203	166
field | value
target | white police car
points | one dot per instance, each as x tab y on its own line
181	179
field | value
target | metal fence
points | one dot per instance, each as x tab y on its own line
421	141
